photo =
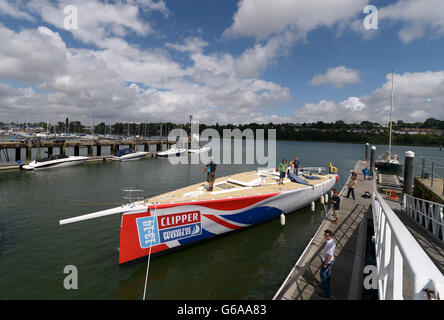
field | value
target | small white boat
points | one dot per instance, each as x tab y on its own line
55	162
128	154
199	150
173	151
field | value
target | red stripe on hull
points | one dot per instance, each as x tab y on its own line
222	222
130	248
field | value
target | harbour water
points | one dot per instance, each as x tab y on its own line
248	264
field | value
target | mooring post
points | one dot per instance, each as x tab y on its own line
63	149
29	150
18	153
90	150
366	152
408	172
49	151
76	151
99	150
423	168
37	150
372	161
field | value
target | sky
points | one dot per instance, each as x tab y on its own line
222	61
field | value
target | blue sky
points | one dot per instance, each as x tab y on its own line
225	61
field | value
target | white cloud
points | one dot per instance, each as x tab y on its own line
190	45
337	77
263	18
14	9
418	96
124	83
31	55
97	21
419	18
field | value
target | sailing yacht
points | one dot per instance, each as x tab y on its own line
388	161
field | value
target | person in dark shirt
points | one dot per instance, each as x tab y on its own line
210	169
336	201
296	166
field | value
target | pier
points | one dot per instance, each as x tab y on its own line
303	282
94	149
407	234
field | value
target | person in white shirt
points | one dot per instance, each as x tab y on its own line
327	260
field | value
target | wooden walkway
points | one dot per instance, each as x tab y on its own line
303	282
434	193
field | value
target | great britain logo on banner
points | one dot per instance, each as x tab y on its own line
160	229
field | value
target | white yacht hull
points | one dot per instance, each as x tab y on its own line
57	163
131	156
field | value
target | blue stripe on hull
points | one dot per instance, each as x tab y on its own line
255	215
205	234
250	217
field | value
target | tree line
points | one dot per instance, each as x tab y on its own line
338	131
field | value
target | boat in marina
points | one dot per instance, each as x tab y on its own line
55	162
128	154
195	146
199	149
175	150
389	162
192	214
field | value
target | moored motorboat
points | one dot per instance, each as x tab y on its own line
173	151
193	213
128	154
55	162
199	150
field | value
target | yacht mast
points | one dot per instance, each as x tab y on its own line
390	124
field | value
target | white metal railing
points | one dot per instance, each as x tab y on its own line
432	167
395	246
427	214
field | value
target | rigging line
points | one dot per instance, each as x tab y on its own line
149	255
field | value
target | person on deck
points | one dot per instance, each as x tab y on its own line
336	201
282	171
352	185
366	173
210	169
327	261
296	166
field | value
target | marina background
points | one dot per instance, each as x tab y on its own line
249	264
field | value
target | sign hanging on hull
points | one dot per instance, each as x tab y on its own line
170	227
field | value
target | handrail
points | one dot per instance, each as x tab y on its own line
433	165
425	213
395	246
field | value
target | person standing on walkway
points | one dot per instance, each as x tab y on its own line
210	169
336	201
282	170
327	260
352	185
